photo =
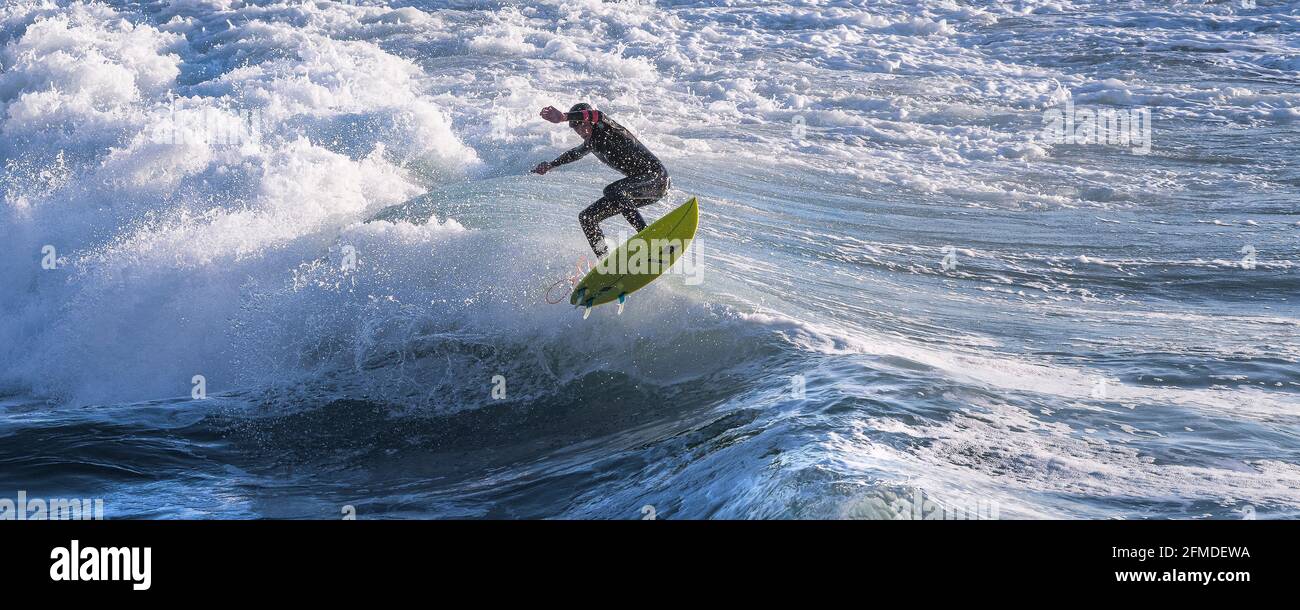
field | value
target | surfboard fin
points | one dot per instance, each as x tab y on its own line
621	299
586	312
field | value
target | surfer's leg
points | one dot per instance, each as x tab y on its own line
636	191
633	217
590	220
621	197
620	193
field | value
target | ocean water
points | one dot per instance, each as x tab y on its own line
272	259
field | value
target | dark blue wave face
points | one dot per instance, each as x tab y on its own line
591	450
285	260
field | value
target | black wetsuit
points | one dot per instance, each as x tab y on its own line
646	182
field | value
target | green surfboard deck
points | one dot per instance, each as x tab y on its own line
612	277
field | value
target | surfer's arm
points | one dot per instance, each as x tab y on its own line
569	156
572	154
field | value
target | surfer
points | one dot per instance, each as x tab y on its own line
646	178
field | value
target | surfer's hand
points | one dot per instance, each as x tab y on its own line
542	168
553	114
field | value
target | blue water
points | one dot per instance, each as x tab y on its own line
910	294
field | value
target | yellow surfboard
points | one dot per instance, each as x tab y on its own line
642	258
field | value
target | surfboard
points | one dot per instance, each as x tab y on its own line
642	259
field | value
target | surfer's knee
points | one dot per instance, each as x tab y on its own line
615	192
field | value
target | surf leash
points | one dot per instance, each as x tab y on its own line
572	279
